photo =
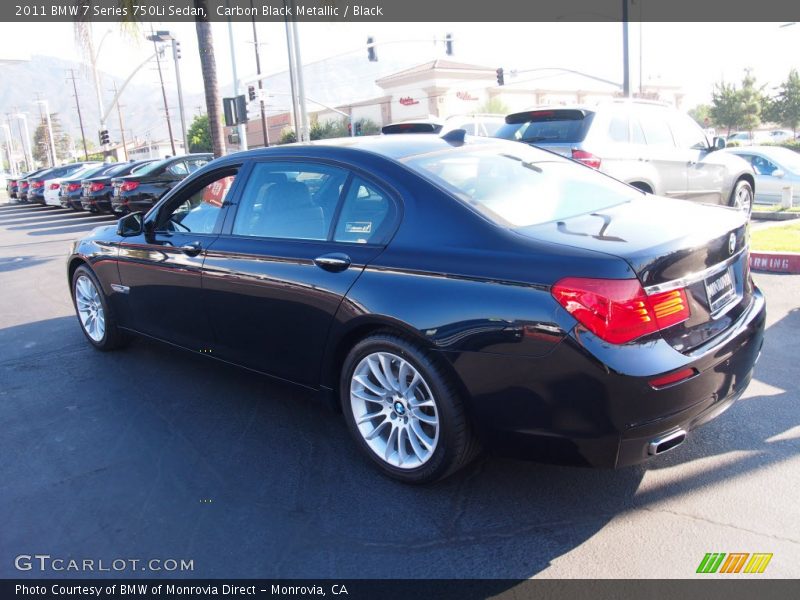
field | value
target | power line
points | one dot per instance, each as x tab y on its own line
80	118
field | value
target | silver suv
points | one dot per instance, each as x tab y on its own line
648	145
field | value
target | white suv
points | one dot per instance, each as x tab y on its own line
648	145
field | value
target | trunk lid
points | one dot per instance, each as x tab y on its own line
701	249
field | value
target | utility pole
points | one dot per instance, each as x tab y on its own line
301	89
292	79
80	117
626	68
264	129
163	90
121	126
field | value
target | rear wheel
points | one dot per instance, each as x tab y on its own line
742	196
95	316
403	410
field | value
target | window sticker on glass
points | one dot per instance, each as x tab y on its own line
215	193
358	227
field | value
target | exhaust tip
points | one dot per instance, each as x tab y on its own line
666	442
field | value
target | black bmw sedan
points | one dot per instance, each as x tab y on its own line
95	192
71	190
446	294
141	190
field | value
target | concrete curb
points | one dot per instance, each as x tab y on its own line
775	262
773	216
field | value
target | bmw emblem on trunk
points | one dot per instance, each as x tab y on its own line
732	243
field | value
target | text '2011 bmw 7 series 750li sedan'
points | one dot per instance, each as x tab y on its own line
448	294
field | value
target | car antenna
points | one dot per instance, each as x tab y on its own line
455	136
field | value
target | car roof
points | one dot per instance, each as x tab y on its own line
396	147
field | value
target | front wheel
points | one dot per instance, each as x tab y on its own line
95	316
742	196
403	411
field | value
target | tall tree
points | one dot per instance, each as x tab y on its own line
751	99
726	109
41	141
205	44
199	135
786	106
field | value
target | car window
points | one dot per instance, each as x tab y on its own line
656	131
637	133
365	214
520	188
687	133
618	128
196	163
289	201
198	212
761	165
178	168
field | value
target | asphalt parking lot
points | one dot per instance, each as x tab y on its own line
151	452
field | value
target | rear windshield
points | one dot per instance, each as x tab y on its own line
518	186
153	167
547	126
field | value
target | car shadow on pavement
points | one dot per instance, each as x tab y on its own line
15	263
154	452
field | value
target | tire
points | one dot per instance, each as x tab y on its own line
95	316
742	196
403	423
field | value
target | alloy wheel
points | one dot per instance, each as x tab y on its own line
394	410
90	308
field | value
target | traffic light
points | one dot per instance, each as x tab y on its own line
448	44
358	127
251	92
501	80
176	49
104	137
372	54
241	109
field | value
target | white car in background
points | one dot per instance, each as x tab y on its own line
775	169
52	187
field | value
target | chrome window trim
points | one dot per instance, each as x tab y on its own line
693	278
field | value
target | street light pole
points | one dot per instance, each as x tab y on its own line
293	79
264	129
25	136
241	128
155	39
52	143
301	89
176	57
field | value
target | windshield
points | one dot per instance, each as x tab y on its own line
788	159
521	186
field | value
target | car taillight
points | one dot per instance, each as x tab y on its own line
55	186
96	187
24	184
587	158
618	310
37	184
73	187
672	378
127	186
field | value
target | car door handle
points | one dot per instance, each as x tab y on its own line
334	262
192	249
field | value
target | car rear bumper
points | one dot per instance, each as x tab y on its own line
569	407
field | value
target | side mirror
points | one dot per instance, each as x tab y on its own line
131	225
719	143
778	173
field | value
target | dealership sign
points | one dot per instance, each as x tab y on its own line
408	101
465	96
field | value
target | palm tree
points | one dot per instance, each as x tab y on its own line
205	45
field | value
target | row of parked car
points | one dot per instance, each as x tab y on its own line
105	187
